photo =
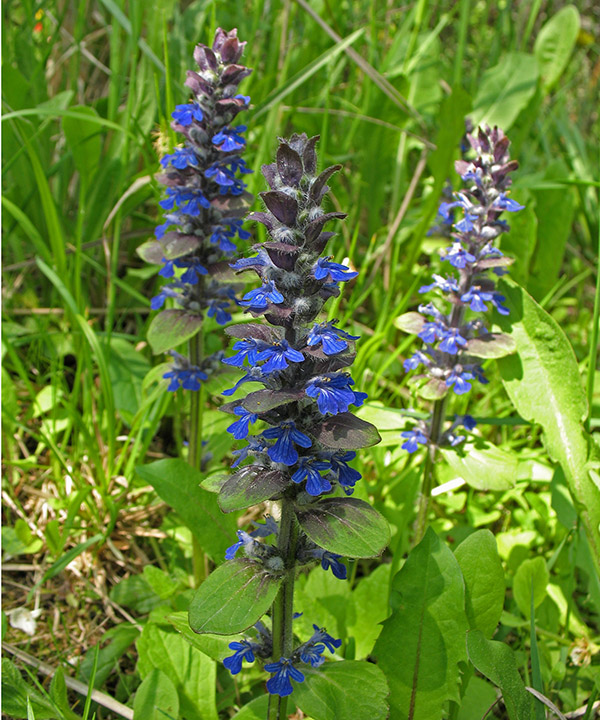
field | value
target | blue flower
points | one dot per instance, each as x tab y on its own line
244	540
280	683
329	337
167	291
333	394
309	470
254	375
257	261
259	298
445	284
330	560
468	422
218	310
283	450
476	297
458	378
276	356
240	428
346	476
189	201
452	341
433	331
416	359
188	378
185	114
414	438
312	654
458	256
332	270
229	139
502	202
244	650
246	348
321	636
180	159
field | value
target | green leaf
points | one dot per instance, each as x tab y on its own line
433	389
345	431
192	673
505	90
178	484
156	698
170	328
16	692
215	646
232	598
482	571
483	466
367	609
346	526
555	43
497	662
543	383
348	689
520	242
58	695
491	345
135	593
555	209
410	322
423	641
477	699
530	573
120	638
84	140
251	485
254	710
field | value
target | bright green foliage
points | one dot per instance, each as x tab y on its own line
542	380
156	697
484	581
423	641
483	466
344	690
233	598
531	578
347	527
179	485
497	662
555	43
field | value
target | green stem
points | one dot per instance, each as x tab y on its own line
196	345
283	606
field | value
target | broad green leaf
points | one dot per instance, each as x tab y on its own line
367	609
555	43
491	345
126	368
410	322
192	672
254	710
115	644
345	431
346	526
251	485
58	694
84	140
178	484
170	328
423	642
497	662
483	466
482	571
232	598
16	691
477	699
543	383
156	698
348	689
215	646
134	592
530	574
555	209
505	90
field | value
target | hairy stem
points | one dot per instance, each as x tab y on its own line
195	447
283	606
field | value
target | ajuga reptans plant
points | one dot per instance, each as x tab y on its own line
452	325
301	456
204	204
